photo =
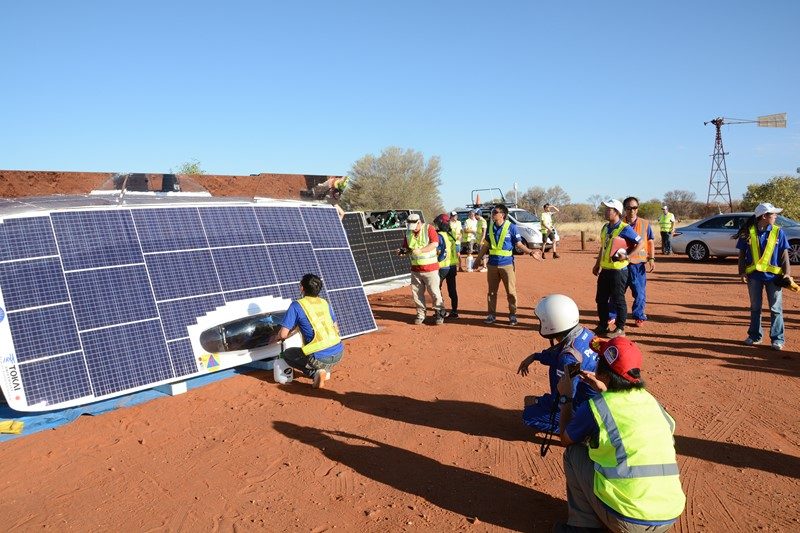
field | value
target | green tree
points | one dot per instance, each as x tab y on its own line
396	179
534	198
781	191
651	209
189	167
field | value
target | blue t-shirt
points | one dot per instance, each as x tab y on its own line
512	238
781	245
296	316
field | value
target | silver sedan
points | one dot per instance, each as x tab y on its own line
716	236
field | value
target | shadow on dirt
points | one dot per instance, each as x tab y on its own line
738	456
471	418
465	492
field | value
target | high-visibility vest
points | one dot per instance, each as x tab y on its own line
455	227
606	242
319	314
450	253
479	233
635	470
762	264
421	240
666	221
546	220
641	226
496	246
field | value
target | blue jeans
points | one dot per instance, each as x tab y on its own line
309	364
755	287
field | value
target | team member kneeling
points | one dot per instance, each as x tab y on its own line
626	479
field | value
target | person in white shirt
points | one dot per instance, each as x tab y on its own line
548	229
470	237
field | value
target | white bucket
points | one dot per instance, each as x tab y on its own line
281	371
470	262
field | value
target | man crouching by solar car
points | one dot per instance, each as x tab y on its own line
322	346
620	458
420	244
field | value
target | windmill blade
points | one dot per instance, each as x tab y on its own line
772	121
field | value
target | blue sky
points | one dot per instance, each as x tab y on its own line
597	97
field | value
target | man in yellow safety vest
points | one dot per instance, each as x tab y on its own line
666	223
763	264
322	346
420	244
620	462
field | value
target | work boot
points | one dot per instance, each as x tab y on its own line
489	319
419	320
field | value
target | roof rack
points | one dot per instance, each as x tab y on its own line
476	196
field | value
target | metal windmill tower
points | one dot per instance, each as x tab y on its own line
718	186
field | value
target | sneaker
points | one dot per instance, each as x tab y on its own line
320	377
482	269
489	319
419	320
453	314
470	270
512	319
639	323
439	320
619	332
750	341
555	255
777	345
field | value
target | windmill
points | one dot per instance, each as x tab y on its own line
718	187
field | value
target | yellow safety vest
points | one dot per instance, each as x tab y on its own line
762	264
635	470
319	314
420	241
479	236
455	227
666	221
606	241
450	253
496	247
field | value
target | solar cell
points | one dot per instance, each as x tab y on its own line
374	250
106	301
26	238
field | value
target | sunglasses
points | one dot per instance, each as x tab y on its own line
631	207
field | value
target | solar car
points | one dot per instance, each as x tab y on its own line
716	236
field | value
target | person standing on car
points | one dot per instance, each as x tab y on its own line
666	223
548	229
503	238
421	242
763	264
611	269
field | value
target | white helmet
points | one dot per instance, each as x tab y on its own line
557	314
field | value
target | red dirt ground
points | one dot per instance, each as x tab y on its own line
420	428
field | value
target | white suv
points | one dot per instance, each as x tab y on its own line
529	225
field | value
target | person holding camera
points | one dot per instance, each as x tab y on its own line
420	244
559	321
620	461
611	268
764	265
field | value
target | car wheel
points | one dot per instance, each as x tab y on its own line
697	251
794	252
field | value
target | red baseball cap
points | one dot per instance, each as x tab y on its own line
622	355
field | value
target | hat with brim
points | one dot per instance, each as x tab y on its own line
614	204
763	209
622	356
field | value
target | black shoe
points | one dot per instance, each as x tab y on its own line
453	314
600	331
619	332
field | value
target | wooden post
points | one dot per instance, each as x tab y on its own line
583	240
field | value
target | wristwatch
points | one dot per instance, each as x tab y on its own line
564	400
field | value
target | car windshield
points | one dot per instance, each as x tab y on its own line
520	215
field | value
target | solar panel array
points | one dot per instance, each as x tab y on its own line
375	250
97	302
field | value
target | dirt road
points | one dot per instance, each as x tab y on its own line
421	427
